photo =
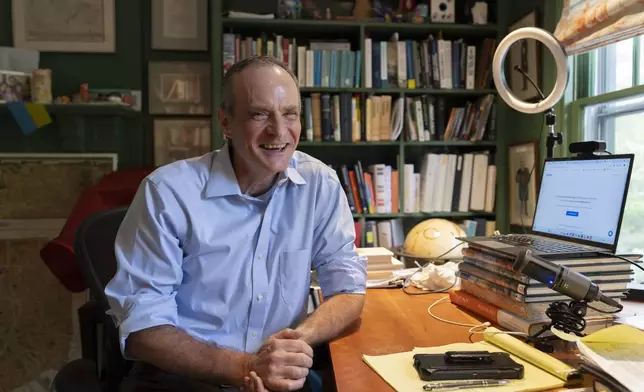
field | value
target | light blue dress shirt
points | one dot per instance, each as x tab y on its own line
228	268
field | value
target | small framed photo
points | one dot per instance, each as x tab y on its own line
177	87
180	25
524	54
523	163
177	139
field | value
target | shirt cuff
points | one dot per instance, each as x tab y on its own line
348	276
146	313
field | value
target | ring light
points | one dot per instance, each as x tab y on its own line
561	62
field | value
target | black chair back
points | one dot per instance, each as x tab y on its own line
94	247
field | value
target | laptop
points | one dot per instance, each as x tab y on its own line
578	213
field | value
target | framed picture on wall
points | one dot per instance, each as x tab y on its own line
180	25
524	54
64	26
176	139
523	165
56	181
179	88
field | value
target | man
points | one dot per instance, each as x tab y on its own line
215	253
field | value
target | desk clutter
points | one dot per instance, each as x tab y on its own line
522	307
541	371
491	289
617	350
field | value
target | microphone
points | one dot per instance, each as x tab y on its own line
561	279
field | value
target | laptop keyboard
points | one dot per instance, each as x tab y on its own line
540	244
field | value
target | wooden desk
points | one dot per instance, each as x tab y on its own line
395	322
392	322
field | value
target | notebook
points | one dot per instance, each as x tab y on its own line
541	371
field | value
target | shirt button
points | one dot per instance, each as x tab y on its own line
254	334
259	257
259	297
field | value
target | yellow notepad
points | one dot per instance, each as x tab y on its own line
398	370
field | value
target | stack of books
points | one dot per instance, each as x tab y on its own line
491	289
381	262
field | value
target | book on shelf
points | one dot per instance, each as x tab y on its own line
450	183
385	233
370	191
330	64
331	117
433	63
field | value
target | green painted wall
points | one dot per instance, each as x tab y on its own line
122	69
521	127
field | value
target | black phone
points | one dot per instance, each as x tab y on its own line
467	365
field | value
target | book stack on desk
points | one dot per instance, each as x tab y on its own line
381	262
490	288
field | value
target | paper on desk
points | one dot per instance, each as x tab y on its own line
619	351
528	353
398	370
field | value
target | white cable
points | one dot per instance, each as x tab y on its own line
474	328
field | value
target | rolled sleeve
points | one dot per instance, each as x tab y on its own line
149	257
339	268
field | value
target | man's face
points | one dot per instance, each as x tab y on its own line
265	126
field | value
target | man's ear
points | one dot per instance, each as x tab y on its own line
224	122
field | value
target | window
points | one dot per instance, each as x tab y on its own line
613	111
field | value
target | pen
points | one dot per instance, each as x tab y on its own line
463	384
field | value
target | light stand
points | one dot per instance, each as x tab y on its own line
545	104
553	138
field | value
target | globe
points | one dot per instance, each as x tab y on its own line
432	238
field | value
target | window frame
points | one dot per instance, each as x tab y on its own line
577	121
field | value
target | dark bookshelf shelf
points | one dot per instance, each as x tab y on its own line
348	144
423	215
452	143
432	143
407	91
302	25
85	109
451	28
369	26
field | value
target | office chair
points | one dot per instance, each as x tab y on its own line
102	367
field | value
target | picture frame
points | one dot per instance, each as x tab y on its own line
179	87
526	55
176	139
523	166
180	25
56	181
69	26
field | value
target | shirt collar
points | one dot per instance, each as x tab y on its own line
223	181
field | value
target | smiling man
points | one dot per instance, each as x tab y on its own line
215	253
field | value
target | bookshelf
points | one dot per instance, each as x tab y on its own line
395	153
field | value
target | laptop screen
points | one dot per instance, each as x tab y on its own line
583	199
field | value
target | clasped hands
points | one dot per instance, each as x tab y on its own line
281	364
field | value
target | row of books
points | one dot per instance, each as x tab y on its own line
428	118
450	183
490	288
320	64
370	191
337	117
432	63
